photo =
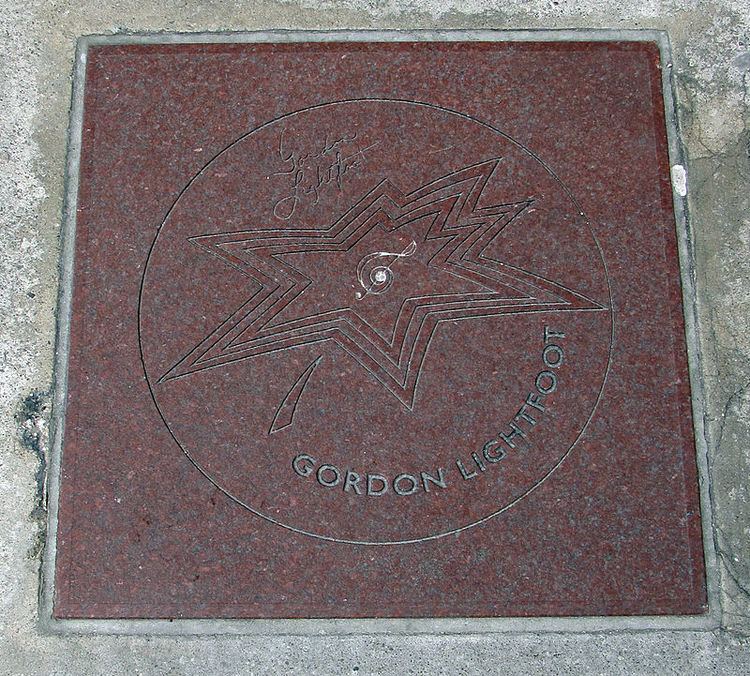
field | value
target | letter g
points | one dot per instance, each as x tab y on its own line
303	465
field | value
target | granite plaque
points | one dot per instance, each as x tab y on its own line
368	329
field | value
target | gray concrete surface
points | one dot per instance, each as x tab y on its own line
711	49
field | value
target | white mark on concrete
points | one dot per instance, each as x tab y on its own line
679	179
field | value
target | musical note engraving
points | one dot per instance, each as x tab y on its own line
376	278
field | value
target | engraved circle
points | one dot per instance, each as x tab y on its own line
431	249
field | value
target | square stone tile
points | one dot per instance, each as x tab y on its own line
376	330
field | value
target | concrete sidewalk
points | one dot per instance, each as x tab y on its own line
711	50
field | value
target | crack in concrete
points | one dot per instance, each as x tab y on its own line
738	393
32	419
727	555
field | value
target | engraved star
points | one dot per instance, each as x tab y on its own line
299	299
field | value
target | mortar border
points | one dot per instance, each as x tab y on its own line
310	627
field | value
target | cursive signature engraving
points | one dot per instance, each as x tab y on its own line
323	167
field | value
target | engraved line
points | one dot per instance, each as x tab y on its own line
288	406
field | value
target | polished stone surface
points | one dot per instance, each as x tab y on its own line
385	330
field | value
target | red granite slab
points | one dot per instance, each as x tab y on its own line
376	330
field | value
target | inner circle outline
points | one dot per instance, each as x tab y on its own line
427	538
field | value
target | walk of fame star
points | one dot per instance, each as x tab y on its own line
415	260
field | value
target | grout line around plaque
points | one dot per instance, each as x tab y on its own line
343	627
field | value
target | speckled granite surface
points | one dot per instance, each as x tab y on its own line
385	330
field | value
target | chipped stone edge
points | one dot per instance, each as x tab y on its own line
307	627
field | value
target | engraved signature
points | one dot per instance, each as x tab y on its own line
310	173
